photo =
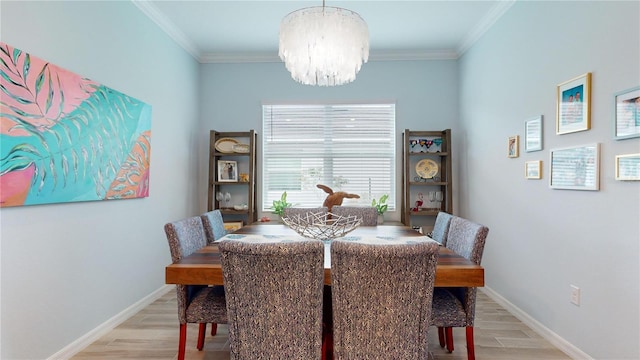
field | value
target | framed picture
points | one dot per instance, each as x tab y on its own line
232	226
513	145
227	171
628	167
533	134
626	114
533	169
575	168
573	112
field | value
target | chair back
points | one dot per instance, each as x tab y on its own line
294	211
213	225
369	214
441	227
467	238
381	298
185	237
274	298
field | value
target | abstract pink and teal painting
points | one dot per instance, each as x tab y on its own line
65	138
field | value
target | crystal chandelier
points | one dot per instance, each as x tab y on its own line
323	46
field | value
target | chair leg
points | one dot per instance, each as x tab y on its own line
214	329
471	353
449	337
327	343
441	336
202	331
183	341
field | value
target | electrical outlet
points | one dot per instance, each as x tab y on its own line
575	295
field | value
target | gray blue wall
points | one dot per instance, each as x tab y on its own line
425	92
541	240
68	268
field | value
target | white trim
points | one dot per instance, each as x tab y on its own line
556	340
241	57
167	26
85	340
271	56
381	55
476	33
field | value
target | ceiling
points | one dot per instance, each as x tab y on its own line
244	31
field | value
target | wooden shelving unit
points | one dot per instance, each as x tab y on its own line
419	145
242	192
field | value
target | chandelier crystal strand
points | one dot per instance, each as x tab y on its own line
324	46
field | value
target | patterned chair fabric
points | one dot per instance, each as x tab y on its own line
196	304
274	298
441	227
293	211
456	307
381	298
369	214
213	225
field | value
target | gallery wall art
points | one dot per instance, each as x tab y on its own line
65	138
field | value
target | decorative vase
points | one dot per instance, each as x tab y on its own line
380	219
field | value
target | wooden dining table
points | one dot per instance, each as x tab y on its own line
203	267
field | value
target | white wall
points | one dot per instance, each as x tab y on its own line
232	95
541	240
67	268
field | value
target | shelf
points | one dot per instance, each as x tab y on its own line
220	154
428	183
425	212
412	189
429	153
245	190
231	211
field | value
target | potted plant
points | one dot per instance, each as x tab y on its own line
279	205
381	206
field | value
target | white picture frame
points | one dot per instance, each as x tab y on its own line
628	167
227	171
575	168
626	114
533	169
533	134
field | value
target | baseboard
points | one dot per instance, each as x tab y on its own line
556	340
75	347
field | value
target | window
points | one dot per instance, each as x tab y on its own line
347	147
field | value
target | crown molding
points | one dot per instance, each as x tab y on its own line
167	26
239	57
267	57
476	33
388	55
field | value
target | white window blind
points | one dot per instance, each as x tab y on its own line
347	147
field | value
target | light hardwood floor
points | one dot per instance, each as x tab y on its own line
153	334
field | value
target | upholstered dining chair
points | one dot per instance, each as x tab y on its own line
369	214
455	307
214	230
382	297
293	211
274	298
213	225
196	304
441	227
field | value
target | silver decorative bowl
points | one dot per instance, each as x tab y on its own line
322	226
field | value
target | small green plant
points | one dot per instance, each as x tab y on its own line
380	205
279	205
